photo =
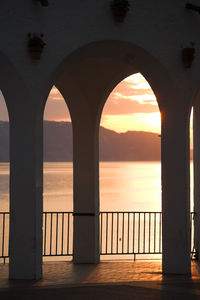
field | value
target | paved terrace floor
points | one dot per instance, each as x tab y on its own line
107	280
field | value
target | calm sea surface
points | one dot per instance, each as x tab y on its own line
124	186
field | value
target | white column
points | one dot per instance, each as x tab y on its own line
86	191
175	192
26	187
196	161
82	94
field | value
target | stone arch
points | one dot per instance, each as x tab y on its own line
132	58
128	59
89	74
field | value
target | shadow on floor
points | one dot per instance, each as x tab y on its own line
109	280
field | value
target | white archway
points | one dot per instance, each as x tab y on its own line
86	78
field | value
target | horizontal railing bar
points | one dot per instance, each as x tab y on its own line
57	212
102	212
131	253
121	233
49	255
132	212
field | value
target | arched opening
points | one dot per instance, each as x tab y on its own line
130	172
4	182
57	179
111	61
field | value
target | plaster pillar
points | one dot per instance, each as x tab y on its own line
26	172
175	192
196	161
86	191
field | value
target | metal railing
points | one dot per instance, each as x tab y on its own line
4	235
136	233
57	234
121	233
130	233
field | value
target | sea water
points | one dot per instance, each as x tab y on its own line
124	186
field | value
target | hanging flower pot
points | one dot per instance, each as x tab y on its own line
42	2
35	53
119	9
187	56
35	45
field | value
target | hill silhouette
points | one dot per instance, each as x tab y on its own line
113	146
128	146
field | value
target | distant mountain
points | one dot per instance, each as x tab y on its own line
113	146
58	141
129	146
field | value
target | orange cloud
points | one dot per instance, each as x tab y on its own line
56	108
132	105
55	95
132	95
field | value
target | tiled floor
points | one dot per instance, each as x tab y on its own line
107	280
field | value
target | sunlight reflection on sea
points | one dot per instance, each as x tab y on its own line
124	186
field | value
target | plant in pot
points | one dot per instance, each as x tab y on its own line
42	2
188	55
35	45
119	9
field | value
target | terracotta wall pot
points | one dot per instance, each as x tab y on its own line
119	14
35	53
188	55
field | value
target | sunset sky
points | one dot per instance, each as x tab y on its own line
131	106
